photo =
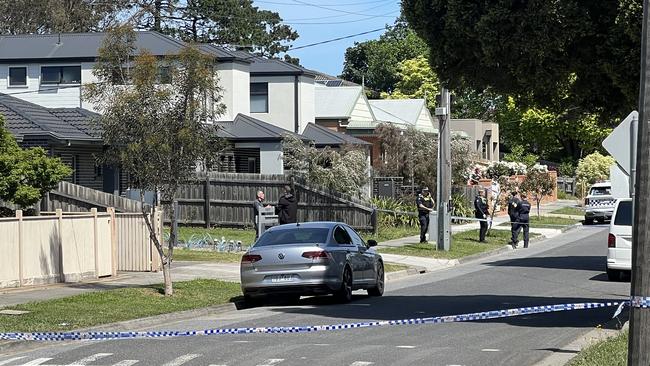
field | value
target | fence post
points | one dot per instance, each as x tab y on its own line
114	253
93	211
206	198
373	221
21	279
59	223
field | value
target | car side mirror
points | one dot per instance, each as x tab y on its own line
372	243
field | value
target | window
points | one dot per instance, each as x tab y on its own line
600	191
18	76
624	214
293	236
164	75
259	97
356	239
61	75
341	236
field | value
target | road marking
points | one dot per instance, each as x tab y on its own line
321	344
127	363
361	363
242	342
6	362
181	360
272	361
37	361
407	347
490	350
89	359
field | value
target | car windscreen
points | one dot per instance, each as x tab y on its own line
624	214
296	235
600	191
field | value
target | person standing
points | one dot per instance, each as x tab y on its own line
257	206
287	208
523	219
481	213
424	203
513	205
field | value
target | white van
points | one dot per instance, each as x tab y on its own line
619	241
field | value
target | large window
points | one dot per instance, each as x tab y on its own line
259	97
61	75
18	76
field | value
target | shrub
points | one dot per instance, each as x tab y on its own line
399	216
591	169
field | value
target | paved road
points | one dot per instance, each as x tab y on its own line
565	269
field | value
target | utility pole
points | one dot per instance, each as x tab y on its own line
639	342
444	170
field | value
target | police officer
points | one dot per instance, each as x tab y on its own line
424	203
481	212
513	205
523	219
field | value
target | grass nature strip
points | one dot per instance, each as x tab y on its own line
103	307
610	352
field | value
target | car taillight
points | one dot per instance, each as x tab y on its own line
251	258
611	241
317	254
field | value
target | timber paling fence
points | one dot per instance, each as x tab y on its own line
75	198
226	199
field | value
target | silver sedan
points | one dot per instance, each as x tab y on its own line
311	259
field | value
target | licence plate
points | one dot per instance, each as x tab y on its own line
282	278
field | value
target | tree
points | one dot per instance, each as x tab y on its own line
46	16
536	50
377	61
155	132
518	154
222	22
26	175
415	81
539	183
345	171
591	169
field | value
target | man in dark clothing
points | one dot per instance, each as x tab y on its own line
287	208
523	219
424	203
481	212
513	205
257	206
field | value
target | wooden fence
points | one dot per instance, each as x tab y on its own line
75	198
226	199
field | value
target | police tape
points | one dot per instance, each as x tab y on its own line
636	302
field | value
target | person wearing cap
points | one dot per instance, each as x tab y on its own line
481	213
424	203
513	207
523	220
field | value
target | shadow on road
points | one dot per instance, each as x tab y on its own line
581	263
407	307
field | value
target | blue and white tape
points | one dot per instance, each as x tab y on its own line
637	302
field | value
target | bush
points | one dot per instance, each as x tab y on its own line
399	218
460	207
566	169
591	169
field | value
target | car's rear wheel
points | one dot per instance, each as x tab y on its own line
589	221
344	294
614	274
251	300
378	290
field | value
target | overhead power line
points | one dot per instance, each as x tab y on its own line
332	4
336	39
334	9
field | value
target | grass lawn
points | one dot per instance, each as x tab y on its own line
394	267
536	222
463	244
570	211
95	308
247	237
181	254
610	352
390	233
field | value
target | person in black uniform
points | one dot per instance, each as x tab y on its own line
513	205
481	212
523	219
424	203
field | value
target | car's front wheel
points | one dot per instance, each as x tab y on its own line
344	294
378	290
614	274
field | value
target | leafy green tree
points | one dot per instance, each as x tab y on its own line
416	81
155	133
377	61
536	51
26	175
229	22
538	183
345	171
518	154
591	169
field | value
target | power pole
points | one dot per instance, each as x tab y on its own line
639	342
444	170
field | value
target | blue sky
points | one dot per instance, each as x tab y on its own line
351	16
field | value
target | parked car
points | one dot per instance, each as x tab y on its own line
619	241
311	259
599	203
